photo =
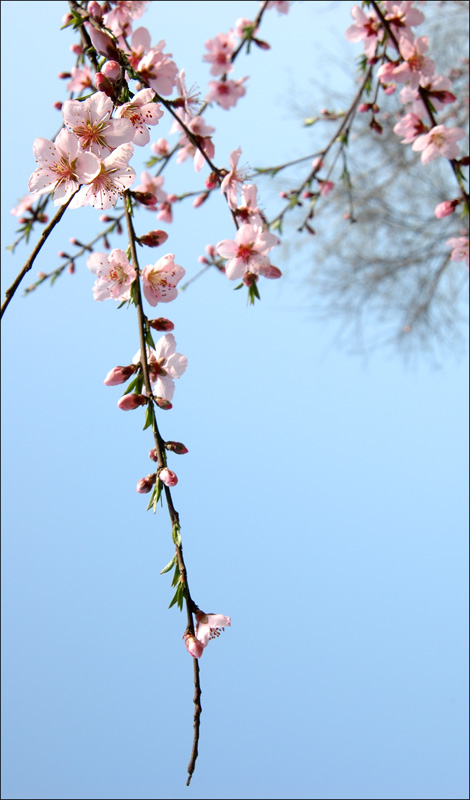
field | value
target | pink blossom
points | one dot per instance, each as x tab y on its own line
25	204
244	27
82	79
115	177
445	209
145	484
63	167
248	211
118	20
140	45
281	6
90	121
410	126
402	16
325	187
141	112
209	626
129	402
220	52
201	133
233	179
459	249
168	477
247	252
161	147
114	275
158	70
118	375
193	646
159	280
165	365
189	100
226	93
436	86
416	65
440	141
165	213
364	29
153	185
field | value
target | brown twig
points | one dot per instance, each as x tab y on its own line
30	261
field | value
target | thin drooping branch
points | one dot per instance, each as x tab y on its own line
174	516
30	261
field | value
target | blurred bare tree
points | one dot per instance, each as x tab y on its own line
381	265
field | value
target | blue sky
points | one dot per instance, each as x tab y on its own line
323	500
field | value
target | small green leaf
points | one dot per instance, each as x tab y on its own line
240	286
148	416
134	291
149	339
311	121
168	566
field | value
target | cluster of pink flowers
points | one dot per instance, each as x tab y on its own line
424	92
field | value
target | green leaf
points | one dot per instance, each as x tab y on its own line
149	339
134	291
152	499
175	533
176	575
311	121
168	566
148	416
240	286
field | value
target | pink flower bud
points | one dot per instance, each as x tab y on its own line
71	268
153	238
111	70
130	401
165	213
153	455
363	107
102	43
43	218
271	272
57	105
326	187
64	75
145	198
105	218
202	260
194	647
212	181
165	405
249	278
145	484
200	199
161	324
103	84
95	11
168	477
445	209
172	198
263	45
210	250
119	375
176	447
66	19
76	49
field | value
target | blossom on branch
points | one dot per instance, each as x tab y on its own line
459	249
165	365
114	275
141	112
114	177
226	93
247	252
90	120
440	141
159	280
63	167
220	53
